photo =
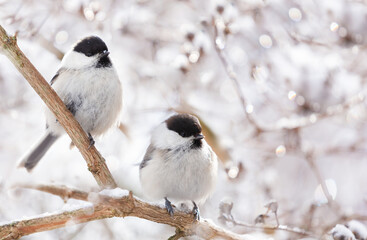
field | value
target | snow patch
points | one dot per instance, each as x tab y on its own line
359	230
342	232
115	193
73	204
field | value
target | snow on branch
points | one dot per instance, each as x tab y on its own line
96	163
108	205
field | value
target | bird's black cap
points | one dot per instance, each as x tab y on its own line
184	124
91	46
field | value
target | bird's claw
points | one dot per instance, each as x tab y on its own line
169	207
91	141
196	212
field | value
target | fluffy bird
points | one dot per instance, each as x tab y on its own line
179	164
89	86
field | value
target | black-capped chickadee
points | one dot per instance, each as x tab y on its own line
178	163
90	88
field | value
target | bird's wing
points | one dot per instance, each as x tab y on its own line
148	156
72	106
56	75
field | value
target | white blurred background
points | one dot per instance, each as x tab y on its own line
280	86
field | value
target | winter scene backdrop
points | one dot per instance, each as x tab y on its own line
278	85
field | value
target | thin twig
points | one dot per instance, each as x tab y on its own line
233	76
49	46
96	163
310	160
227	217
307	40
276	218
279	227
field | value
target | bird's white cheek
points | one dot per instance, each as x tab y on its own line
164	139
75	60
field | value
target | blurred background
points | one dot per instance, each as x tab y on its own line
278	85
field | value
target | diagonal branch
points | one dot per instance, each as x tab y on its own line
96	163
105	206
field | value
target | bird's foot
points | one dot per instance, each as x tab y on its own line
91	141
196	212
169	207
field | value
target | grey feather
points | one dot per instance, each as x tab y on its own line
73	105
56	75
148	156
30	160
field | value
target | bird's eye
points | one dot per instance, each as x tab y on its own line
182	134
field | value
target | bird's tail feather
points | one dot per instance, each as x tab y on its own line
32	157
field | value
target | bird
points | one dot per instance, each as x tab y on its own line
179	164
89	86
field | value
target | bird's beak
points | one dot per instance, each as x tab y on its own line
199	136
105	54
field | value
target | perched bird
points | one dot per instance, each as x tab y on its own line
89	86
179	164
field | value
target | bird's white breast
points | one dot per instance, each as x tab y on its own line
97	94
188	174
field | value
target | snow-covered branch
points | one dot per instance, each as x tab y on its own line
108	204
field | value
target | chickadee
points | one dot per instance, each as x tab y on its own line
178	163
89	86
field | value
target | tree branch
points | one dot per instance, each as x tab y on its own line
105	206
96	163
